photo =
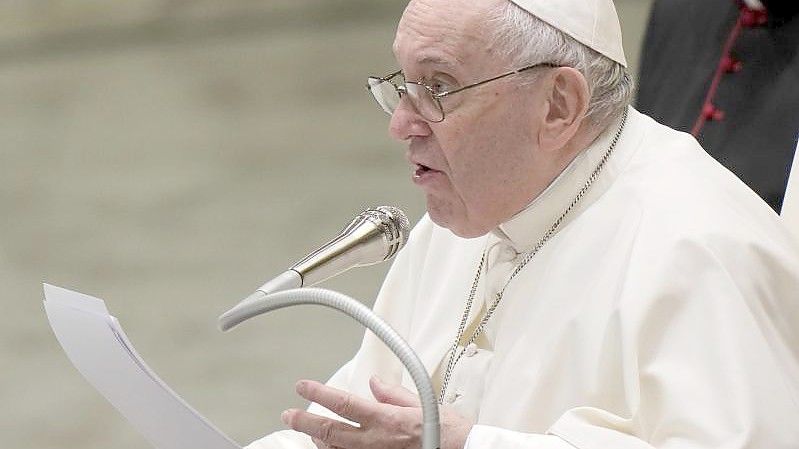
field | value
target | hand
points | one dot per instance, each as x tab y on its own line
393	422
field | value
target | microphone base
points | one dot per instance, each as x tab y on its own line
288	280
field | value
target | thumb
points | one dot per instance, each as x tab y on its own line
392	394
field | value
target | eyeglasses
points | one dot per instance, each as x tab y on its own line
425	99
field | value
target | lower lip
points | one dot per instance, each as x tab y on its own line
422	177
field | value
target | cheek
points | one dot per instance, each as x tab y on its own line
489	156
490	164
489	153
472	172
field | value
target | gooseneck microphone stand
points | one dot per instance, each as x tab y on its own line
343	303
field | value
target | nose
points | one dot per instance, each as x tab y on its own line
406	122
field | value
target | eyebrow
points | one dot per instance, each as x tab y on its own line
435	60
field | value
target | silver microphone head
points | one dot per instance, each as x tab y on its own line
397	228
375	235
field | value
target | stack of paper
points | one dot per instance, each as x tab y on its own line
97	346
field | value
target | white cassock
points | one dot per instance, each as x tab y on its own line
663	314
790	206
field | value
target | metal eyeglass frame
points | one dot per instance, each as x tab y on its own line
437	96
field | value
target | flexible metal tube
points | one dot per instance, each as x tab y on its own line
260	304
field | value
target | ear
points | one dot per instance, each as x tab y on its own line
568	100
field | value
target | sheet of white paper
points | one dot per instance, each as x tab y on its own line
97	346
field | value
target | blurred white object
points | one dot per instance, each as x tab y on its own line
755	4
97	346
790	206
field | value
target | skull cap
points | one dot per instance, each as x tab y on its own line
593	23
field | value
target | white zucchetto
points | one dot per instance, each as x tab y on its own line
593	23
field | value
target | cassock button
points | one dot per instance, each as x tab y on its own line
471	350
507	254
731	65
451	397
710	112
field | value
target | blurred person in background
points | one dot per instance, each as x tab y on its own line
585	277
727	71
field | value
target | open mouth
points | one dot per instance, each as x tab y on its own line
421	170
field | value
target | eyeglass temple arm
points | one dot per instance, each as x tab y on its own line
383	79
512	72
390	75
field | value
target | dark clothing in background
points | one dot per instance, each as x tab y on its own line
750	125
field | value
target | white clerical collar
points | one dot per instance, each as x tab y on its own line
527	227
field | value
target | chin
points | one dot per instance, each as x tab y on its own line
457	225
469	233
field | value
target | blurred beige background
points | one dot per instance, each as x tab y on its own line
169	156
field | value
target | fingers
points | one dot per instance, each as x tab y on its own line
393	394
320	444
394	423
326	433
339	402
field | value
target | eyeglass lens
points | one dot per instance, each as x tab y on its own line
387	96
385	93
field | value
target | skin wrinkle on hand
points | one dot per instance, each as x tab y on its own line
394	421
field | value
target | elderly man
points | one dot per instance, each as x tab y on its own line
585	277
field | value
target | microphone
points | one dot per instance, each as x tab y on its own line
375	235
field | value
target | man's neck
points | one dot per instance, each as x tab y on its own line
584	138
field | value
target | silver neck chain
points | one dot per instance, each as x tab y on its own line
454	354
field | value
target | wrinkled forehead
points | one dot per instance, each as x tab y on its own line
447	33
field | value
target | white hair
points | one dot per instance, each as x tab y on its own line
525	39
